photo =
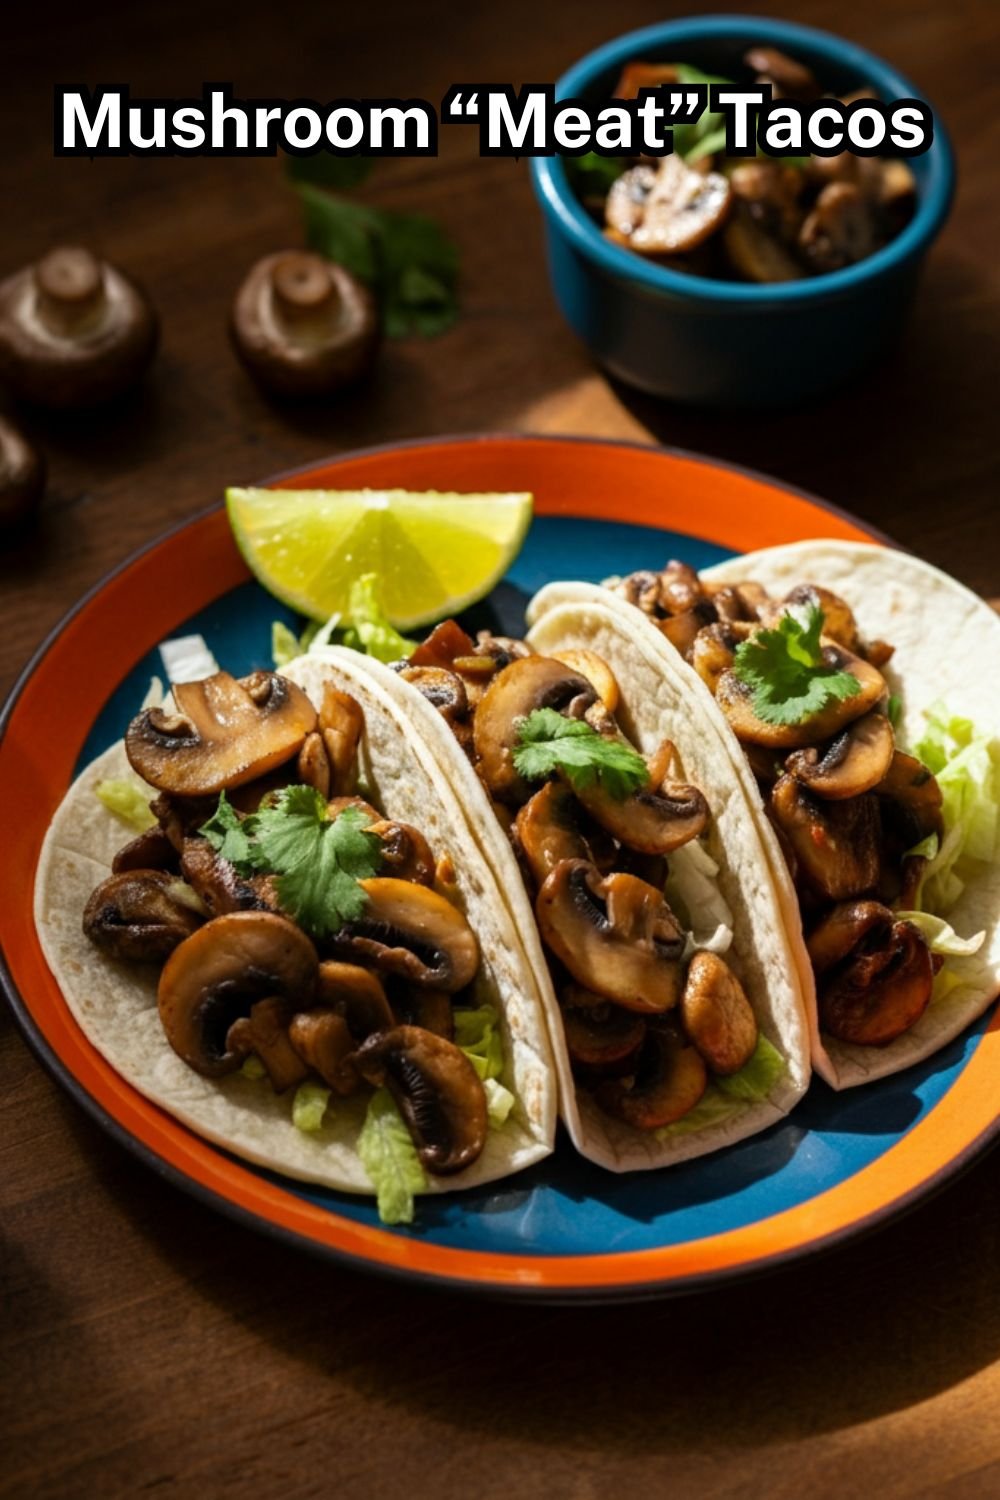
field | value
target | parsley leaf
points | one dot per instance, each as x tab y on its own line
786	669
548	742
318	861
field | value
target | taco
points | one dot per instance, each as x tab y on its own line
852	685
300	954
637	885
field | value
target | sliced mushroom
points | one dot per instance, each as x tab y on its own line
911	800
225	733
430	1009
836	844
641	589
357	995
304	326
667	210
151	850
341	723
881	990
735	699
406	854
682	630
596	671
716	1014
218	884
667	1084
529	683
438	1092
855	762
651	821
442	688
265	1033
840	230
842	929
771	193
753	253
838	617
616	935
313	765
322	1038
74	330
547	830
135	915
599	1037
789	79
714	649
681	589
411	931
216	976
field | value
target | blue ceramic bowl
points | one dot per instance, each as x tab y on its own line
727	343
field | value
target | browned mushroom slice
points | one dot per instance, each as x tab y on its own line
216	976
838	617
753	253
357	995
680	588
413	932
264	1032
641	589
442	688
714	649
855	762
836	844
666	210
596	671
642	75
668	1082
151	850
616	935
772	195
73	330
651	821
716	1014
735	699
429	1009
224	734
22	477
313	765
219	886
438	1092
527	684
682	630
911	799
322	1038
341	723
789	79
135	915
406	854
840	230
881	990
842	929
547	830
599	1037
303	325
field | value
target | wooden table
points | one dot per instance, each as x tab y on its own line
147	1345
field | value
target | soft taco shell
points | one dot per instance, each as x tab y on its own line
115	1004
761	952
947	642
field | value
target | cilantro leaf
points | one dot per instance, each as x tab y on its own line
342	231
323	169
592	175
318	861
786	669
548	742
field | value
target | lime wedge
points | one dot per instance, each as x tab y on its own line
434	554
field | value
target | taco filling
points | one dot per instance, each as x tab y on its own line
301	937
655	1018
872	843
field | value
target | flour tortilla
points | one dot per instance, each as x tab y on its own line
947	650
115	1004
761	953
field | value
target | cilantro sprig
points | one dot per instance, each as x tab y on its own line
548	742
786	669
319	861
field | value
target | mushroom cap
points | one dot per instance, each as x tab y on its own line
652	820
217	975
226	733
735	699
547	830
74	330
22	476
304	326
881	990
133	915
836	844
411	931
668	1082
439	1094
528	683
716	1014
855	762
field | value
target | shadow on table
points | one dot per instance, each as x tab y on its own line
833	1341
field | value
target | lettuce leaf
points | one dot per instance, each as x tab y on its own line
477	1035
128	801
309	1106
367	629
499	1102
967	767
756	1078
253	1068
712	1108
941	938
390	1158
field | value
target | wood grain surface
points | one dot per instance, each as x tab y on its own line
147	1345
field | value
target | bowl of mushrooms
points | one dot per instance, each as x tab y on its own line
734	282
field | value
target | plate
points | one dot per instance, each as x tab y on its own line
564	1229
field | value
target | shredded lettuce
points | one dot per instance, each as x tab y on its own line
941	938
756	1078
284	644
155	694
478	1036
128	801
253	1067
694	897
712	1108
967	767
185	895
187	658
390	1158
367	628
309	1106
499	1102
